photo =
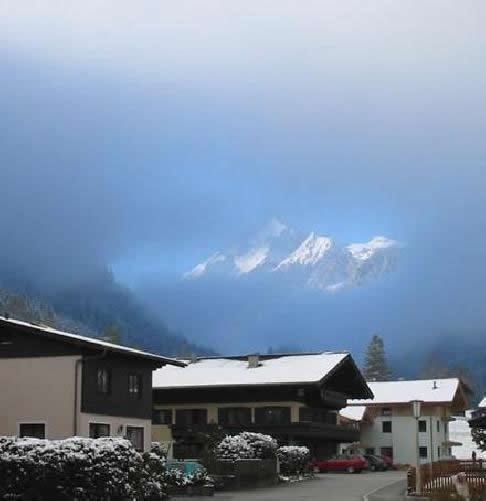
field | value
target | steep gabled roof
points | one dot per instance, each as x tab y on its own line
402	392
302	368
482	404
85	342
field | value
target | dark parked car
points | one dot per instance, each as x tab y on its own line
375	463
344	462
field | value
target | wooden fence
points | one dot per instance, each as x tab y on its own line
437	478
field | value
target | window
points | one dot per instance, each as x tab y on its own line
191	416
423	452
97	430
135	385
103	380
6	338
272	415
317	415
33	430
387	451
386	411
162	416
370	451
234	415
438	451
422	426
386	426
438	426
135	435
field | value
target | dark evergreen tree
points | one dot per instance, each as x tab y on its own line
376	367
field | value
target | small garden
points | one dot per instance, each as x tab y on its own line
294	462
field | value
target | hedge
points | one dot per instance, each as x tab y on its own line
294	460
78	469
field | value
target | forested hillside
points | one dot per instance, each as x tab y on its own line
94	307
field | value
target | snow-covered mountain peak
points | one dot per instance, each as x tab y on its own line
309	252
251	260
364	251
315	261
201	268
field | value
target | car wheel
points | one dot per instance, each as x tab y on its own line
350	469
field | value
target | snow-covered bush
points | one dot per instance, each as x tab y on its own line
294	459
247	445
159	450
78	468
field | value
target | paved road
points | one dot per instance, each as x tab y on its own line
325	487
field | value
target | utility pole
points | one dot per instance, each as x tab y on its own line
416	409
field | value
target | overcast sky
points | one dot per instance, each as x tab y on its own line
148	135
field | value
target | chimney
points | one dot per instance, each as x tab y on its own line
253	361
6	316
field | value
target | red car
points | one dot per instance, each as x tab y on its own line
351	464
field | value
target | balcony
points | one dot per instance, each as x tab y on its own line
478	419
296	430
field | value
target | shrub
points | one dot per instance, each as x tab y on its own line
78	468
247	445
294	460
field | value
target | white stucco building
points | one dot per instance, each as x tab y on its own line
387	422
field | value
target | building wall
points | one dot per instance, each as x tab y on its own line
402	438
38	390
118	401
162	433
117	426
41	390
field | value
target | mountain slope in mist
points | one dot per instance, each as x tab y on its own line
91	306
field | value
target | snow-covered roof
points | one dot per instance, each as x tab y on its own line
278	369
482	403
85	341
355	412
396	392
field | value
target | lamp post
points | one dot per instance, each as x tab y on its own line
417	407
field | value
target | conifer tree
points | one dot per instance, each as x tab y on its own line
376	367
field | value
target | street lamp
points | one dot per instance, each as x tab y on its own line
416	408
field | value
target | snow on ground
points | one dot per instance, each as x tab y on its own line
428	390
305	368
459	431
